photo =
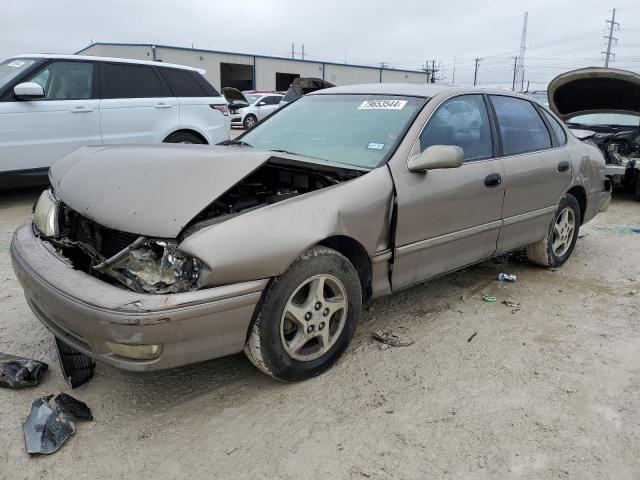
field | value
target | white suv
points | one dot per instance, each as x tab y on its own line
51	105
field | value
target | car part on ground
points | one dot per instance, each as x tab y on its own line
20	372
47	427
602	105
77	368
178	254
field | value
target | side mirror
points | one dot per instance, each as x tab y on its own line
28	91
261	104
437	156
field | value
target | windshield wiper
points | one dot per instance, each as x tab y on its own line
239	143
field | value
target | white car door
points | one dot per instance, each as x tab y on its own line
267	105
36	133
136	105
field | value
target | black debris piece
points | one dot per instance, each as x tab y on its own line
48	426
19	372
473	335
45	430
73	408
77	368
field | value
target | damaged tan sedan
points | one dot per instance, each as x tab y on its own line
149	257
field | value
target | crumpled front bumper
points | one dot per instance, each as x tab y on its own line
86	312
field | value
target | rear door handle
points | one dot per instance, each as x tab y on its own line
492	180
162	105
563	166
81	109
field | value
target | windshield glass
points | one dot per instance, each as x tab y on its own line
252	98
357	130
606	119
10	69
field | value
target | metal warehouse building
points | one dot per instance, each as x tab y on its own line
245	72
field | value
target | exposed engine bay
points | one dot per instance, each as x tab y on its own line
156	265
620	146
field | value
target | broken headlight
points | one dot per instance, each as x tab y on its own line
154	266
46	214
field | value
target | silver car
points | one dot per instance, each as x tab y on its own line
149	257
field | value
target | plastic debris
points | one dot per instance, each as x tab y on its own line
392	339
19	372
515	306
473	335
506	277
47	428
77	368
489	298
623	229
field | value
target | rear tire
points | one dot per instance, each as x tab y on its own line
249	121
183	137
307	317
556	247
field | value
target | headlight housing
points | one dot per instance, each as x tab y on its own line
46	216
154	266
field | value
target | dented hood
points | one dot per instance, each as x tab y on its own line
594	90
149	190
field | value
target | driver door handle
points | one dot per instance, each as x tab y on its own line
81	109
492	180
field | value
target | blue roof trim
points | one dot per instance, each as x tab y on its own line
319	62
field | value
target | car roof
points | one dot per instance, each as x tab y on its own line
109	59
426	90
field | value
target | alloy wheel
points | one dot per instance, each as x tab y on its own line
313	317
563	231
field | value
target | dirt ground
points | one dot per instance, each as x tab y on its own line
550	391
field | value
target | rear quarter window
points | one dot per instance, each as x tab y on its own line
521	127
561	136
184	83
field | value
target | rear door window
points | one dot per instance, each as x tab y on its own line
461	121
66	80
561	136
520	125
272	100
130	81
182	83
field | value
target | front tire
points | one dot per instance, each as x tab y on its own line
556	247
249	121
307	317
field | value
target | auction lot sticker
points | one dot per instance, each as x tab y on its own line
382	105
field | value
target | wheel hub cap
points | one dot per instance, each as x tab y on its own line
563	231
313	317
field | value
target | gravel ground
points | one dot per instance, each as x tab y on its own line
550	391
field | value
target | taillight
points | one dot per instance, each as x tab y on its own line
224	109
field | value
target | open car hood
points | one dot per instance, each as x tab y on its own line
152	190
303	85
594	90
235	97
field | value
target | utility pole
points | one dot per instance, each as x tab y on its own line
293	51
303	51
610	38
433	71
475	73
515	69
523	47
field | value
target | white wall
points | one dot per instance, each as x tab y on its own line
120	51
346	75
389	76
